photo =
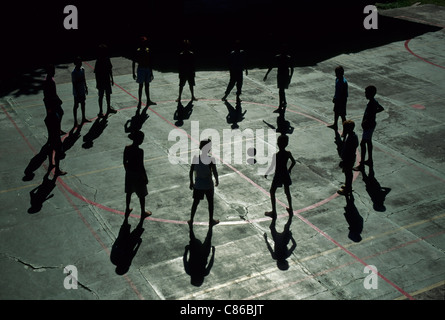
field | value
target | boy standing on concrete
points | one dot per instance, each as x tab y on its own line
135	175
282	174
144	71
104	79
203	167
348	156
282	61
236	68
80	90
368	125
340	97
186	70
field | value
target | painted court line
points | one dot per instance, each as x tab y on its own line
264	191
421	58
307	222
74	206
307	258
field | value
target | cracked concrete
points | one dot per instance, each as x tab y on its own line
82	223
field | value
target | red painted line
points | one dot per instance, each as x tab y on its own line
61	184
313	206
272	290
421	58
318	230
19	131
61	187
297	214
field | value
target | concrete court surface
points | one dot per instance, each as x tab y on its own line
397	217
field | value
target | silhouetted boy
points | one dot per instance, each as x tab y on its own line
55	150
144	71
236	68
203	167
282	62
348	155
135	175
368	125
54	113
103	70
80	90
50	98
186	70
282	174
340	97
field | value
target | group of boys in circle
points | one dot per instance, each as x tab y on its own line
202	172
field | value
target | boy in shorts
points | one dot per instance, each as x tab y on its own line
282	174
340	97
236	68
144	71
348	156
80	90
203	167
103	70
186	70
135	175
368	125
282	61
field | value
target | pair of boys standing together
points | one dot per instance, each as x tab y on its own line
350	140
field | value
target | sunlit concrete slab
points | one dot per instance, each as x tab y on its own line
387	244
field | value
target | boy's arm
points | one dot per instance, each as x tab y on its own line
133	67
379	108
125	161
191	176
267	73
85	82
292	161
111	77
215	173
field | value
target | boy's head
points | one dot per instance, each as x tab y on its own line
78	62
284	49
370	92
203	143
237	44
186	44
339	72
348	126
50	70
143	41
102	50
282	141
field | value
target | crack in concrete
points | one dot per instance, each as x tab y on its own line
36	268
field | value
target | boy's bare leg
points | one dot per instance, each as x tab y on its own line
192	91
147	93
180	94
141	85
212	221
272	213
144	213
84	118
193	211
75	107
127	205
289	200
